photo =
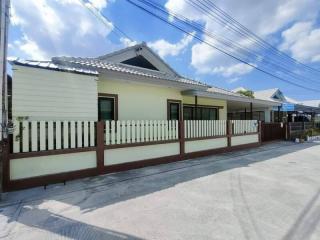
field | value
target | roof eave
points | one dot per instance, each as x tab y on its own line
229	97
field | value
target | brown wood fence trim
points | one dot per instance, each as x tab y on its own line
205	138
50	152
244	134
50	179
140	144
100	146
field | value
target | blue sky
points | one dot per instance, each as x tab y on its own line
41	29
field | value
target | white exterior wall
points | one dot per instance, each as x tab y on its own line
41	94
246	139
39	166
267	115
139	101
201	145
133	154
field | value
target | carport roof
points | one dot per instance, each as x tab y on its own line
218	93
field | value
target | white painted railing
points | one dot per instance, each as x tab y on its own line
244	126
30	136
204	128
126	132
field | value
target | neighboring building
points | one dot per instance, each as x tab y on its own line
130	84
291	110
312	103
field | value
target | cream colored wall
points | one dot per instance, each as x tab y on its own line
41	94
51	164
139	101
240	140
132	154
209	102
201	145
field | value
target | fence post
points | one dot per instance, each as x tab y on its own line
181	138
5	165
260	131
229	132
100	147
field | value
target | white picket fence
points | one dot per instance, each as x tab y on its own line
244	126
204	128
126	132
29	136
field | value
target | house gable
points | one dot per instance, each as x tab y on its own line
278	96
140	56
140	61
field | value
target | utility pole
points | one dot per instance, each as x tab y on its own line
4	26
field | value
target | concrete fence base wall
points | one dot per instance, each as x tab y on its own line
133	154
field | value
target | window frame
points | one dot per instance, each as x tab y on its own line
115	103
174	101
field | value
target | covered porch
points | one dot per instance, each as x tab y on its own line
237	107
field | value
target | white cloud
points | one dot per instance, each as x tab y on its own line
233	80
30	48
264	18
302	41
60	27
99	4
232	70
165	48
127	42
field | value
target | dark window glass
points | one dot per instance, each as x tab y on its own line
174	109
203	113
188	113
106	108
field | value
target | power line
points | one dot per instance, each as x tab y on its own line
164	19
257	38
100	16
227	42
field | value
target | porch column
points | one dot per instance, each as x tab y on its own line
251	113
245	114
278	113
196	107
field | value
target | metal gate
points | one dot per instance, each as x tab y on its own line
273	131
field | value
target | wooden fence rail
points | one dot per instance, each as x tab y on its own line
244	126
126	132
204	128
31	136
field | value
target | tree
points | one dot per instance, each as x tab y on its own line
247	93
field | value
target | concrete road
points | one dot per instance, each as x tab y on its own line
271	192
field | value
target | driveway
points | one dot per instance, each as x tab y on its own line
271	192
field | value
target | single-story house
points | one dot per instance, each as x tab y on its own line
130	84
290	110
78	117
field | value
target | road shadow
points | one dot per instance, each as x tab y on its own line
58	226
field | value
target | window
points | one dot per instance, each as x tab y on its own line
203	113
188	113
174	109
107	107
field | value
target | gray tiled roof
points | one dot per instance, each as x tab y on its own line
223	91
52	66
96	64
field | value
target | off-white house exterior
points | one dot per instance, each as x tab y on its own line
69	88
